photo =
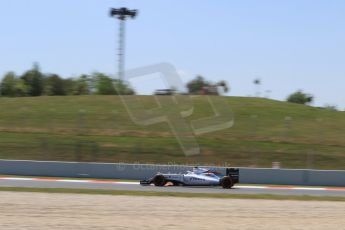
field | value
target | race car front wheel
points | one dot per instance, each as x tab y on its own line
159	180
226	182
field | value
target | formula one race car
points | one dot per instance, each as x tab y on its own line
197	177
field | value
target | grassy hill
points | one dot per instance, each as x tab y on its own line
98	128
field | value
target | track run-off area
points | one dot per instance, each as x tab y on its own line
28	182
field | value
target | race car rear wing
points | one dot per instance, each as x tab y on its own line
234	173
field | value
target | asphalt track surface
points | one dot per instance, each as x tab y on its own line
135	186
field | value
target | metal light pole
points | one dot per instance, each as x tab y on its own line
122	14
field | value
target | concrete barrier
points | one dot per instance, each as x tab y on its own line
144	171
273	176
83	169
293	177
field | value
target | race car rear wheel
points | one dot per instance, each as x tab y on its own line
159	180
226	182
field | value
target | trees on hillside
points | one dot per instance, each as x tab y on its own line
82	85
224	85
200	86
35	83
54	85
105	85
33	79
196	85
122	88
12	86
300	98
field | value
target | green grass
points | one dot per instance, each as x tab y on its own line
174	194
98	128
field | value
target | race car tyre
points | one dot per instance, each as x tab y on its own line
226	182
159	180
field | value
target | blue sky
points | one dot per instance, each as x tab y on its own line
289	44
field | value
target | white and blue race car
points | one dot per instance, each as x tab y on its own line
197	177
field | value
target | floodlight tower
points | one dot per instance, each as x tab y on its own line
122	14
